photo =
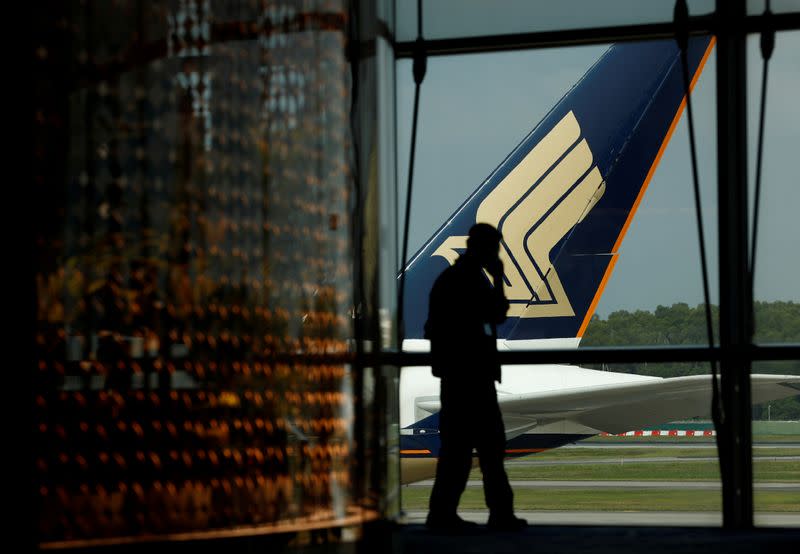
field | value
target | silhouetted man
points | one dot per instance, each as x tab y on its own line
465	308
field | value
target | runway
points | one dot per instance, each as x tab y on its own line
613	454
629	485
657	519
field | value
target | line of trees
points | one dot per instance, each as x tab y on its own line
680	324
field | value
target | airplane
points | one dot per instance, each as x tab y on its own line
563	200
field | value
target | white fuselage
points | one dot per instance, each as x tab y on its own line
546	406
417	383
419	389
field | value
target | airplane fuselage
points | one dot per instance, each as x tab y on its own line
419	399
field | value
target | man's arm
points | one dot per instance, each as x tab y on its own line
500	303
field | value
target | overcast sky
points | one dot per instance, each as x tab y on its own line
476	108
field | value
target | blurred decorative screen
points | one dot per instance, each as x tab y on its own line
195	268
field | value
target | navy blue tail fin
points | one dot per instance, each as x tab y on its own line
565	196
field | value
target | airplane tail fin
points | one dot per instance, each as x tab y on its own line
565	196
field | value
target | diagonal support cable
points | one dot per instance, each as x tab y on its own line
420	66
767	47
682	37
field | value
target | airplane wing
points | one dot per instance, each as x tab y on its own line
617	408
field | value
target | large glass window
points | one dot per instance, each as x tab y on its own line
777	271
777	301
474	111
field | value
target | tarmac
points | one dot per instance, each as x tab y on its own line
566	538
625	518
607	532
635	485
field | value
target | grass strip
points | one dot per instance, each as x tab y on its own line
763	470
612	500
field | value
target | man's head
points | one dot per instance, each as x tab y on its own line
483	242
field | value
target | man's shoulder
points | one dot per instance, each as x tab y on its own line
449	274
461	272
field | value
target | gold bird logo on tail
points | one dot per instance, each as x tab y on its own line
550	191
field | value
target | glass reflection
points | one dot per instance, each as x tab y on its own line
198	258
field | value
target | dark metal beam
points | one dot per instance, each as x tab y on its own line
545	39
591	355
614	355
735	303
597	35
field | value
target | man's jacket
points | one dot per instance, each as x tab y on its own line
463	314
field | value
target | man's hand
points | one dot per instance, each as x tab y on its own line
495	269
